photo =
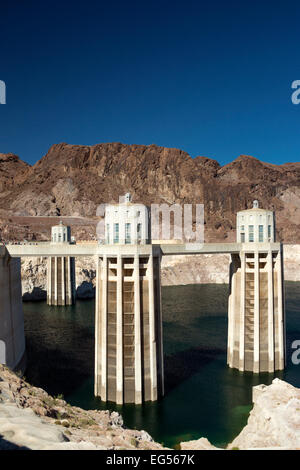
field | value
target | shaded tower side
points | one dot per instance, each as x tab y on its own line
12	336
129	350
256	323
60	280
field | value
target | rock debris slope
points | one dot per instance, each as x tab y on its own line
32	419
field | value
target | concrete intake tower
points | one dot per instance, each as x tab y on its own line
129	347
256	323
128	314
60	270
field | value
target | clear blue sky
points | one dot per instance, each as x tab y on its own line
211	78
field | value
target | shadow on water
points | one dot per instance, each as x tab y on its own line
204	397
181	366
60	345
7	445
37	294
56	369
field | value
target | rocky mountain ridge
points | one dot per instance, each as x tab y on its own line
72	180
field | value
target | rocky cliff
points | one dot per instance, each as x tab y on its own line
273	423
34	278
214	269
71	180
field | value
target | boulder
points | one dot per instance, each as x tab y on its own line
274	421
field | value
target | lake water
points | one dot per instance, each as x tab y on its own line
204	398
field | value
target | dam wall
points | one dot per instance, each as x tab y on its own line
12	337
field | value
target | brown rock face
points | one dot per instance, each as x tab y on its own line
12	169
71	180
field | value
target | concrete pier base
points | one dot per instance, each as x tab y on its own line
60	280
256	323
129	349
12	337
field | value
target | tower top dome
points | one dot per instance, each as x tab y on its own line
127	197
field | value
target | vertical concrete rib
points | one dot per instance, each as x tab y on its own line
153	365
137	332
256	314
229	317
119	335
281	333
103	321
49	274
242	313
63	298
160	323
70	287
55	280
270	312
231	302
97	387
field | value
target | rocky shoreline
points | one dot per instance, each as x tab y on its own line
32	419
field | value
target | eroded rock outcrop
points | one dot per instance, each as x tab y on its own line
34	278
198	444
274	421
195	269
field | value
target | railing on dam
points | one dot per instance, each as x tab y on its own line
74	250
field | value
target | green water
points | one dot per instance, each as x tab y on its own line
203	396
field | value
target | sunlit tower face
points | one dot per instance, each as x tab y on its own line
255	304
60	233
255	225
126	223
